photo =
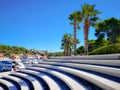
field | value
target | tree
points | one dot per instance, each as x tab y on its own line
89	17
109	28
118	39
92	45
67	43
12	49
76	18
80	50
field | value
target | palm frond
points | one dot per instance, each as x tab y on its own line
76	16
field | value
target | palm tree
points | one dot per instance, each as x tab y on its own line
67	43
89	17
76	18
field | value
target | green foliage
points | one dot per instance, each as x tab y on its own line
89	11
89	16
67	43
80	50
109	28
101	42
118	39
107	31
109	49
92	45
49	55
13	49
76	16
58	54
55	54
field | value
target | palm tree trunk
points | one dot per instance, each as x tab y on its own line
115	38
70	51
64	52
86	28
75	51
67	50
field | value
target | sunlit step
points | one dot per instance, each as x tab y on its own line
34	83
97	80
68	80
50	81
10	85
1	88
20	82
102	69
101	62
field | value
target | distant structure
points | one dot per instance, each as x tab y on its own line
3	56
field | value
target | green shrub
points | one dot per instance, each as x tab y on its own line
109	49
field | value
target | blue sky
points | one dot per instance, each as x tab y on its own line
40	24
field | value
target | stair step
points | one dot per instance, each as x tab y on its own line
22	84
101	62
1	88
51	82
99	81
61	83
82	74
10	85
102	69
33	83
69	81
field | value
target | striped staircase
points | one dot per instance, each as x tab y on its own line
66	73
